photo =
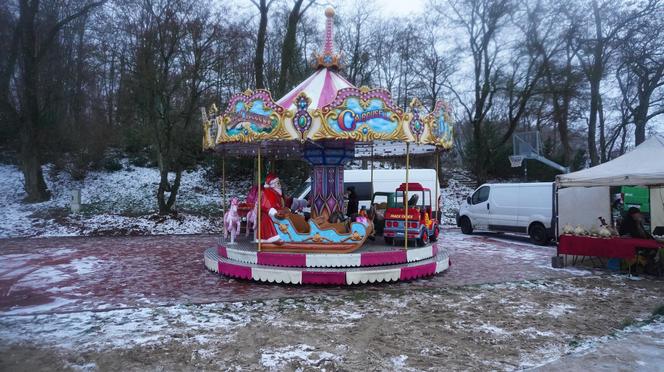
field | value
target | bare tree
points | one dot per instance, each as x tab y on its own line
640	73
434	66
562	77
386	54
594	54
354	37
174	58
263	8
34	35
289	47
481	20
527	68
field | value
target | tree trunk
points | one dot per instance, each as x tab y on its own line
641	116
174	190
164	186
639	131
623	140
595	77
34	186
260	45
592	123
602	135
479	150
561	121
288	49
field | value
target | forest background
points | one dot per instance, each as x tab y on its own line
85	84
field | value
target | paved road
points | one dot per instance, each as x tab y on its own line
44	275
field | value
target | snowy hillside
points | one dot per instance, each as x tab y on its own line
124	203
114	203
453	196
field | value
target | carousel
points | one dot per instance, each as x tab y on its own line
327	122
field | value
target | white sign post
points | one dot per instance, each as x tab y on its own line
75	205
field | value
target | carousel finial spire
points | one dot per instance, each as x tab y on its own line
328	59
329	30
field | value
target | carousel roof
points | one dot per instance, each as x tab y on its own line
321	88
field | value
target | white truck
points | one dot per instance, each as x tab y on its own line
384	180
510	207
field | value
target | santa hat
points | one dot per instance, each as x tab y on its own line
271	177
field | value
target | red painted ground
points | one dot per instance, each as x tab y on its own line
94	273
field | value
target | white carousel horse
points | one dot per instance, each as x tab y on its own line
232	221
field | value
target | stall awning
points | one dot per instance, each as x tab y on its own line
642	166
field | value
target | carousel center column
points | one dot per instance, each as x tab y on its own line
327	179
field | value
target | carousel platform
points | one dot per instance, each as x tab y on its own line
372	263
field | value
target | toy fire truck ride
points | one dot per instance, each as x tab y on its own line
422	223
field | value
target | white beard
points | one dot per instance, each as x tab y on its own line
277	189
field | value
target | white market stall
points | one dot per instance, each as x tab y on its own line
584	196
643	166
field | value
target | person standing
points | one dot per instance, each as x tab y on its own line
632	224
353	202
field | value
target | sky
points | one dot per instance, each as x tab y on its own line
401	7
391	8
387	7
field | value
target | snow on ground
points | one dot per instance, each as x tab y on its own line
637	347
453	196
399	362
302	355
122	202
126	328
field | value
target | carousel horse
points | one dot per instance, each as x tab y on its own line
232	221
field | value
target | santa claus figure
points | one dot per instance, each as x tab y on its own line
272	205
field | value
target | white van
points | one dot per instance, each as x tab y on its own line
384	180
510	207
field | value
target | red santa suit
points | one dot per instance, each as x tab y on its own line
271	202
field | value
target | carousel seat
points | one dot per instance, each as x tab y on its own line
318	235
323	224
299	223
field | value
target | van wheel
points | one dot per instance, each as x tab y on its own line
436	231
537	234
466	226
389	240
424	240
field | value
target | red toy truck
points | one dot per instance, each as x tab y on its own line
422	222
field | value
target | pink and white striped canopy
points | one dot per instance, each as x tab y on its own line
321	87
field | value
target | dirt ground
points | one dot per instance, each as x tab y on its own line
458	320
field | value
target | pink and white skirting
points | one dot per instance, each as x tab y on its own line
388	265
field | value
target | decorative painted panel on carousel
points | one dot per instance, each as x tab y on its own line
442	129
361	114
252	116
327	190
